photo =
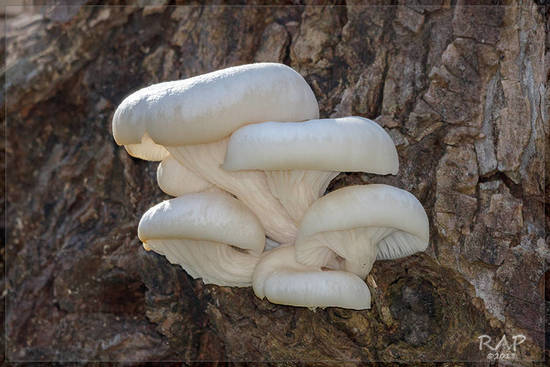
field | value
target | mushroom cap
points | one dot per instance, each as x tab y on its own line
147	150
341	144
176	180
362	206
209	107
206	216
282	280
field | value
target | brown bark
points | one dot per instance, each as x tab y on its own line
461	89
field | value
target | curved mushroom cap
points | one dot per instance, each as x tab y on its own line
209	107
176	180
211	235
280	279
207	216
350	220
342	144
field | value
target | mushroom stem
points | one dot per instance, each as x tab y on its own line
298	189
250	187
324	247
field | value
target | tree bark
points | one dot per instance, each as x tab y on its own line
461	89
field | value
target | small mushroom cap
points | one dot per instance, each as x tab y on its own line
342	144
147	150
363	206
280	279
207	216
176	180
209	107
318	289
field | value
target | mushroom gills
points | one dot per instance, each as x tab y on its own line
332	249
398	245
250	187
214	262
298	189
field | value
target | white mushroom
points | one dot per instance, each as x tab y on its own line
176	180
357	225
193	118
280	279
211	235
211	106
300	159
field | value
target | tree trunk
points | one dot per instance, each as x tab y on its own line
461	89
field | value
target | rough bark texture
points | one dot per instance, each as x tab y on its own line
461	89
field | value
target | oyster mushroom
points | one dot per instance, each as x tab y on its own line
193	119
356	225
280	279
300	159
211	235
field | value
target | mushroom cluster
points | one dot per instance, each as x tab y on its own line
248	160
